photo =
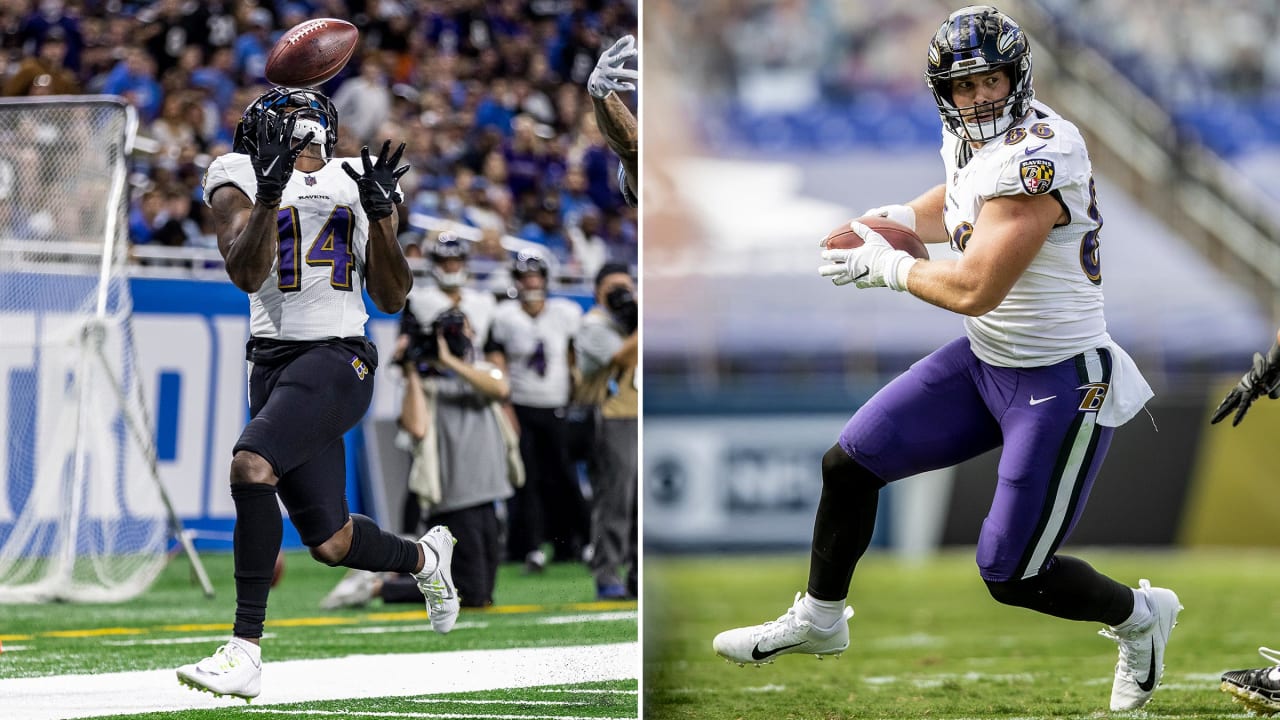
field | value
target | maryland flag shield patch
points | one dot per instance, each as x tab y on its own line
1037	175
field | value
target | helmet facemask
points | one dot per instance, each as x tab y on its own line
314	112
975	40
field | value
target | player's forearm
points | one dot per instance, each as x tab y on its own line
621	132
491	383
389	279
929	207
251	252
413	408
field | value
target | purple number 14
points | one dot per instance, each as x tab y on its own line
331	246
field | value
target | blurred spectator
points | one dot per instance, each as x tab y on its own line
134	77
143	215
216	77
172	129
48	65
52	17
364	102
251	47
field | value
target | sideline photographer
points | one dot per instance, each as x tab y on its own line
607	347
465	456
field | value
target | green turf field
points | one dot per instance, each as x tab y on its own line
587	701
173	624
928	641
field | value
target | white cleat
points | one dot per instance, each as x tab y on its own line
437	586
231	670
356	589
760	644
1141	663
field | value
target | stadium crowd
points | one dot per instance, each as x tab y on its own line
489	96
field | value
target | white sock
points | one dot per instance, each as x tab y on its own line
1141	616
251	649
824	614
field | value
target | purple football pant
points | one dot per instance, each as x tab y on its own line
951	406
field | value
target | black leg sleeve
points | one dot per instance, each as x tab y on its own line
373	548
1070	588
256	544
842	530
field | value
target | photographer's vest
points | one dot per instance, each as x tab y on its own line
615	391
624	402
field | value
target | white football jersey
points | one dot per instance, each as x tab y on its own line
429	301
537	350
315	288
1054	311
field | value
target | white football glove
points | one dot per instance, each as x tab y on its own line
875	263
901	214
610	75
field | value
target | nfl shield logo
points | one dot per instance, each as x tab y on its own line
310	180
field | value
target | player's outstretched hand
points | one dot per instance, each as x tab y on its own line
377	185
874	263
1262	379
610	75
277	151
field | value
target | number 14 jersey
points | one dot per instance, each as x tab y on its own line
315	289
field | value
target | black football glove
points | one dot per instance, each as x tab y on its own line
1262	379
277	151
377	186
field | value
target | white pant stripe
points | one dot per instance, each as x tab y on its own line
1072	475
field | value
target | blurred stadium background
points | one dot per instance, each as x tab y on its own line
490	98
802	114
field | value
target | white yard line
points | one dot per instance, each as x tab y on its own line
358	676
589	691
449	715
593	617
178	640
457	701
425	627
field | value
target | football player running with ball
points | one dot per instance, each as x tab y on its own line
303	234
1036	372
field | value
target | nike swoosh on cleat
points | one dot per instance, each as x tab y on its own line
1028	151
1034	401
757	655
1150	682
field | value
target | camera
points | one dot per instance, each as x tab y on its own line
423	344
622	305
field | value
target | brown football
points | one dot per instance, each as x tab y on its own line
311	52
898	235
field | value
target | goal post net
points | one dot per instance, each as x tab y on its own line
83	516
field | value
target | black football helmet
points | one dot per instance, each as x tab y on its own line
528	261
448	245
305	104
979	39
